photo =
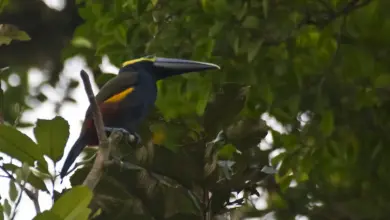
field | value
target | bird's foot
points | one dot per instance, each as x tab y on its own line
121	130
133	137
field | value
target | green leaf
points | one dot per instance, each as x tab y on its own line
236	45
201	106
252	51
204	4
37	181
302	176
13	191
1	212
25	171
121	34
267	94
5	40
243	11
49	215
327	123
81	42
382	81
209	48
3	3
10	32
278	158
52	136
285	182
104	43
287	163
227	151
7	207
216	28
19	175
265	8
203	99
33	179
104	78
169	135
277	201
251	22
83	214
73	204
22	36
20	146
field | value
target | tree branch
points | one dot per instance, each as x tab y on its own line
105	144
95	174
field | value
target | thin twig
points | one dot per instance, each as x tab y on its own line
53	181
35	201
207	212
1	105
103	153
33	196
78	164
23	189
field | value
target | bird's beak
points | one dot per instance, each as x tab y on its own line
183	66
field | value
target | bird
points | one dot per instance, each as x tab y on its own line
125	100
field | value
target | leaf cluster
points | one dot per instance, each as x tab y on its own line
317	67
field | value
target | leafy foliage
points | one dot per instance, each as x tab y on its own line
9	33
20	146
72	205
318	67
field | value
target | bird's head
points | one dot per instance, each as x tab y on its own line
162	68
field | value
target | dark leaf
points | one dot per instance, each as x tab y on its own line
52	136
104	78
20	146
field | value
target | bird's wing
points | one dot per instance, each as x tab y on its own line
113	91
116	89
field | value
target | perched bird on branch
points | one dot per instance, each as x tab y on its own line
126	99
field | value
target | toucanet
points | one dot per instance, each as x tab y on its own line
126	99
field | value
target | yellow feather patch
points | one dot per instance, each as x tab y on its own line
158	137
118	97
138	60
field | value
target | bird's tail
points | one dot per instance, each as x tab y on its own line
75	151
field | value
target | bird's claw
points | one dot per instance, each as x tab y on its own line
133	137
121	130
